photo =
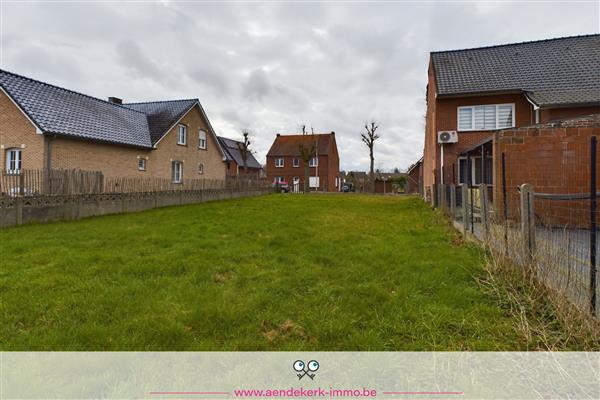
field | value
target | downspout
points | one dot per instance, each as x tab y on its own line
536	109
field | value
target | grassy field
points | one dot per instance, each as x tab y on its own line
279	272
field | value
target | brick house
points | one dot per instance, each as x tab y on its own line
234	160
414	177
475	92
43	126
284	162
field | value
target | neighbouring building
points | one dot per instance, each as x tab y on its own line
235	160
414	177
472	93
284	163
43	127
554	158
359	180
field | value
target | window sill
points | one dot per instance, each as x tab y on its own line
483	130
181	144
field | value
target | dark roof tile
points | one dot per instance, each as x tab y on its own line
554	72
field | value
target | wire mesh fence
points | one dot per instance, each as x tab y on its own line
544	215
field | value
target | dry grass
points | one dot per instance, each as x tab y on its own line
546	319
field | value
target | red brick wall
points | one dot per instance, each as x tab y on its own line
413	180
553	160
554	114
288	172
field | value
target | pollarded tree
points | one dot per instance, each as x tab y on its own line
244	148
369	138
308	150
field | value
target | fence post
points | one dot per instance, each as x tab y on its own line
443	202
453	200
483	198
434	195
19	210
465	207
593	237
528	218
504	203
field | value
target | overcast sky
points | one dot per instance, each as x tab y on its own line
270	67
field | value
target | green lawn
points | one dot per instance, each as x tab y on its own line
278	272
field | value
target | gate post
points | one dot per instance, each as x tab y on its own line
593	237
465	207
483	198
528	218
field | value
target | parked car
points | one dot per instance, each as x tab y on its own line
348	187
282	186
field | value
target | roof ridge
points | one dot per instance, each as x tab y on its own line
515	44
160	101
70	91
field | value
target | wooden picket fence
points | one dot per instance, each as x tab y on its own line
71	182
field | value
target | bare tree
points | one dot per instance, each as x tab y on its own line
369	139
244	148
308	150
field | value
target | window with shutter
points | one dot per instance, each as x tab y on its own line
485	117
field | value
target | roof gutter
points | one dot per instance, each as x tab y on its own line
536	107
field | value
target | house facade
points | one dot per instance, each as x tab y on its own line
235	161
43	127
284	163
475	92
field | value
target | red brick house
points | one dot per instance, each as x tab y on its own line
235	162
284	162
474	92
414	177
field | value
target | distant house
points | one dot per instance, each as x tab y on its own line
284	162
357	178
235	160
474	92
414	179
45	127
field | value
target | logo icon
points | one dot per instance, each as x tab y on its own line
303	369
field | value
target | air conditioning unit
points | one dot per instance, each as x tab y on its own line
447	137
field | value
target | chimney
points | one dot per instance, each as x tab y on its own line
115	100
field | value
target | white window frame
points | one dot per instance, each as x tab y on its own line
176	176
279	179
296	163
201	168
314	162
182	134
314	182
14	160
474	159
141	164
202	139
279	162
472	108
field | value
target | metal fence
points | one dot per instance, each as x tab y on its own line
549	224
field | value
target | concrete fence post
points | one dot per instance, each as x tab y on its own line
465	207
528	218
453	200
19	210
443	203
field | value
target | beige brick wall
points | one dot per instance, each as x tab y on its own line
168	150
112	160
17	131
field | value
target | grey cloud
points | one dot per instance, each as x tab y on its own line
271	66
132	57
